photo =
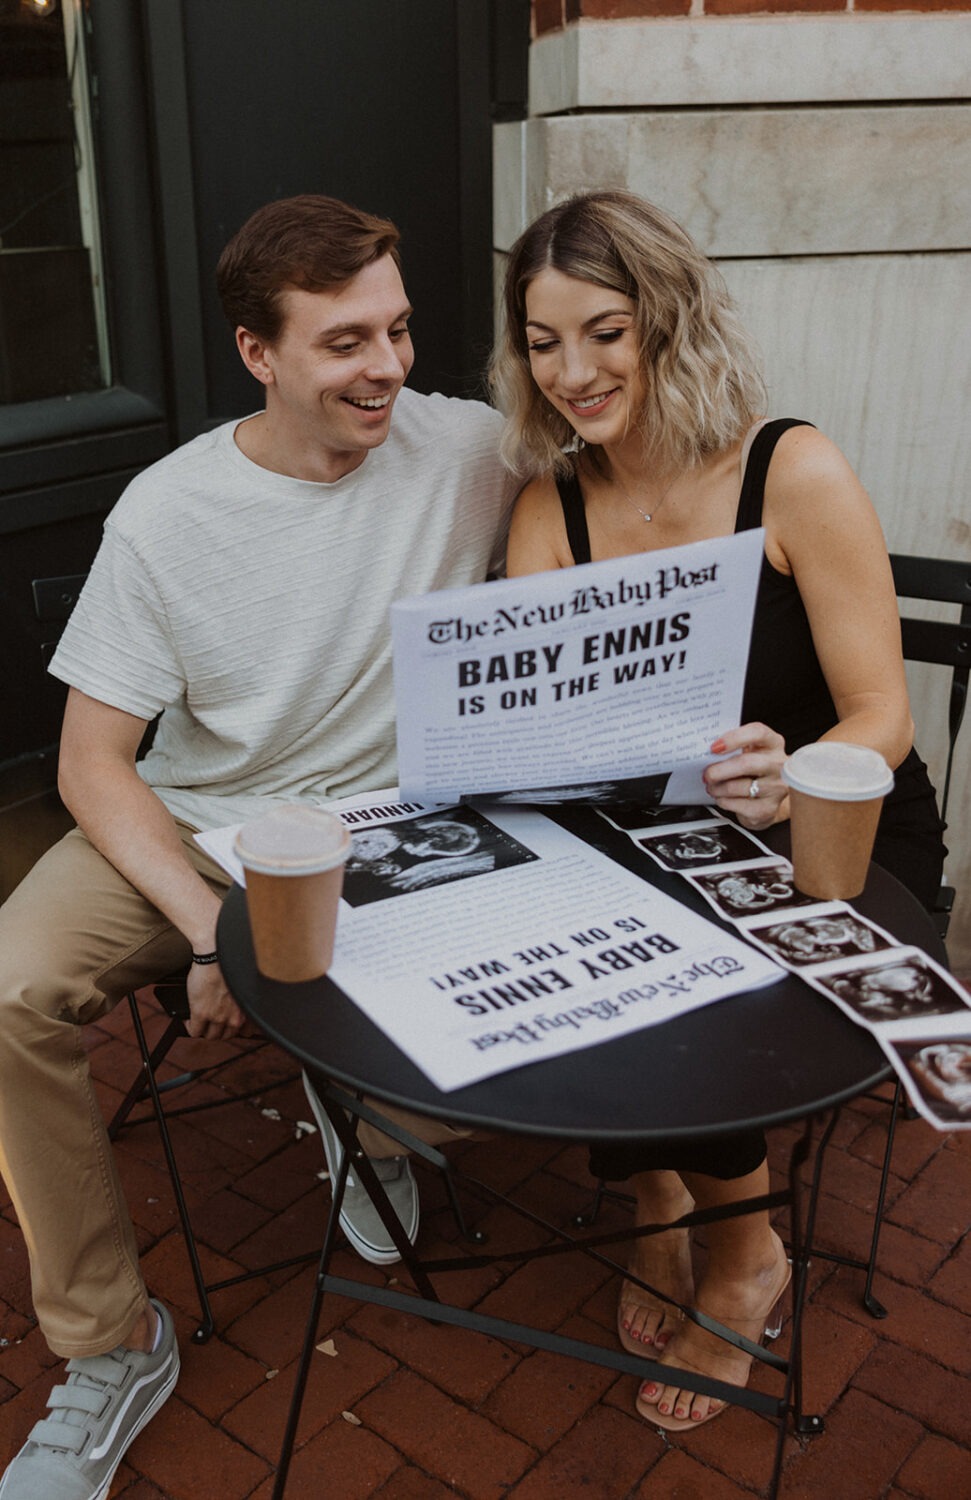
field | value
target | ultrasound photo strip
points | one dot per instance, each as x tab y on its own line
892	990
701	845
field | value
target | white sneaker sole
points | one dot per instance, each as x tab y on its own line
161	1396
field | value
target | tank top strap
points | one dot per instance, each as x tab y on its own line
575	515
749	514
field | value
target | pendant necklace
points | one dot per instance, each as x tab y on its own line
646	515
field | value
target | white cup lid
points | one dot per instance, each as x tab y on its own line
293	840
838	771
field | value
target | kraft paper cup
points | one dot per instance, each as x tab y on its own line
836	791
294	862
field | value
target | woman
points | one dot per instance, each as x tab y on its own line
633	397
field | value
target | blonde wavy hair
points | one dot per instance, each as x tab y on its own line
700	369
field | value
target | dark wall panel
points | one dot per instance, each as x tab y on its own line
203	112
357	101
33	701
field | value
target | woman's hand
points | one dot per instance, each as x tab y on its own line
749	783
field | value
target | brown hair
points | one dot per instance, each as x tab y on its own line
701	379
311	242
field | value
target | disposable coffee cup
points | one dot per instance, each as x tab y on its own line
836	791
294	862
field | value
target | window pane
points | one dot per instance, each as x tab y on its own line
52	335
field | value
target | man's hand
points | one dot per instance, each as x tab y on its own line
213	1013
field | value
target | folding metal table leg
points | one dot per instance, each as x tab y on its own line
801	1239
310	1336
346	1133
427	1302
872	1304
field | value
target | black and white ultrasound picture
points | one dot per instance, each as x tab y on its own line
897	990
747	892
940	1067
715	844
393	859
822	939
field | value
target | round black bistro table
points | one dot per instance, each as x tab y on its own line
760	1058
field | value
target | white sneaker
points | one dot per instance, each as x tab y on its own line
359	1219
94	1418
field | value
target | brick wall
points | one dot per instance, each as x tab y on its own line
552	15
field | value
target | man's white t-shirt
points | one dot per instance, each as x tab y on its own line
254	608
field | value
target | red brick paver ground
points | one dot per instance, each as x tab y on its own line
399	1409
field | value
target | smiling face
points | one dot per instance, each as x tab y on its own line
332	374
584	355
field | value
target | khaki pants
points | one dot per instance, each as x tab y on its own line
375	1142
75	937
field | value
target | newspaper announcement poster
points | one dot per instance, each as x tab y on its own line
489	938
583	682
481	939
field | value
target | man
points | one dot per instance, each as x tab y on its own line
241	592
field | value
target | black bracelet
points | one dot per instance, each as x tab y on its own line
205	958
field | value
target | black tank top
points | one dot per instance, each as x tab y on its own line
784	684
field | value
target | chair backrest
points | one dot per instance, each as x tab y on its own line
54	598
945	642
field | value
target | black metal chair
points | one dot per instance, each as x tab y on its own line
944	643
148	1089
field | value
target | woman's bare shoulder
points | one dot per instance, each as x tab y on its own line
818	515
805	458
538	496
537	532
